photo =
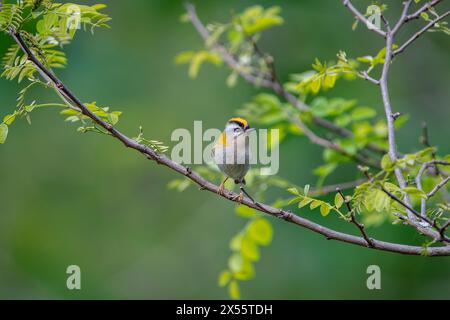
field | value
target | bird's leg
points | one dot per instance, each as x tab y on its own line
246	193
241	186
221	189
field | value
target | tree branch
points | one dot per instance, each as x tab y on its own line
361	18
419	33
437	187
206	185
390	116
424	8
366	76
403	16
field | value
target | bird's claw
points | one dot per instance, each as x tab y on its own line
221	189
239	198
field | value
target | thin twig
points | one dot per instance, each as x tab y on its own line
419	33
424	8
360	226
364	75
437	187
403	16
206	185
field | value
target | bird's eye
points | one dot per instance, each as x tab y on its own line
236	129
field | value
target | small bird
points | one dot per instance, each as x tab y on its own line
231	153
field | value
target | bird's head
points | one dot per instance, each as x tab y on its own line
235	128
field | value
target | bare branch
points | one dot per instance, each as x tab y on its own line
437	187
206	185
360	17
424	8
366	76
403	16
430	25
390	115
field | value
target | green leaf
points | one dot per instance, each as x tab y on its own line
224	278
249	249
247	271
329	81
236	242
415	192
233	290
338	200
362	113
295	200
235	262
386	163
325	170
196	59
3	133
179	184
369	199
365	59
9	119
324	209
315	85
304	202
184	57
380	200
260	230
113	118
255	19
294	191
315	204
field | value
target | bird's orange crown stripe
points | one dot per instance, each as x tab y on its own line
240	120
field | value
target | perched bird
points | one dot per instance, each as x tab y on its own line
231	153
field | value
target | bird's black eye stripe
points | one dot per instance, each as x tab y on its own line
236	129
238	123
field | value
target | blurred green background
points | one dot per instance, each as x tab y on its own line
68	198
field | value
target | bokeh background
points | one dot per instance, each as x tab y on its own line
68	198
